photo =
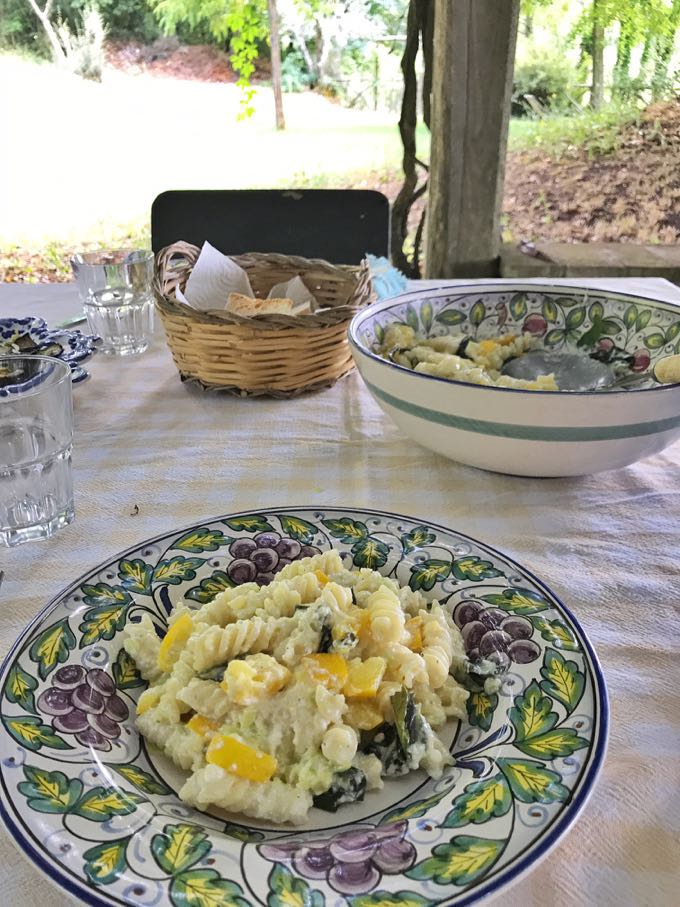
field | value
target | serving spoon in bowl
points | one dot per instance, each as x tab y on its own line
575	372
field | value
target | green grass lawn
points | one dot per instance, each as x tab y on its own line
86	158
83	161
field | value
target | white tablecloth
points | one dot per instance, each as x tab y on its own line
152	454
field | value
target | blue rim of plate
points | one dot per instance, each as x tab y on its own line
537	850
466	289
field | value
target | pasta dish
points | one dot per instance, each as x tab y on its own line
304	692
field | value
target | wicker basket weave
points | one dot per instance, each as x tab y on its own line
278	355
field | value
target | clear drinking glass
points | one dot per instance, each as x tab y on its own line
115	289
36	436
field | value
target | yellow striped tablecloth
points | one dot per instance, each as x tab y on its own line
152	454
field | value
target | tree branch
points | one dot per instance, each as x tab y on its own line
419	26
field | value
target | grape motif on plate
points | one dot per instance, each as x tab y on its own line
84	703
258	559
495	635
351	862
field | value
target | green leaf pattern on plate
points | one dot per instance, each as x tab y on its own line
142	780
417	538
301	530
287	890
253	523
29	731
199	540
106	862
135	576
50	792
480	708
532	782
100	804
518	601
556	632
370	552
532	713
425	574
562	679
179	847
461	861
102	623
480	801
474	568
52	647
205	888
177	569
125	672
346	530
209	587
19	688
102	594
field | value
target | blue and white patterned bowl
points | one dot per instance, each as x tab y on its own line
532	433
103	819
30	336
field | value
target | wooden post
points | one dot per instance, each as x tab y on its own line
474	51
275	45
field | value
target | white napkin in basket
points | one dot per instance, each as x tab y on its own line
215	276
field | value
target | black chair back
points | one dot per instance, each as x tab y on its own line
339	225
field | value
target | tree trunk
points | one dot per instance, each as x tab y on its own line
474	51
44	18
276	63
597	51
312	68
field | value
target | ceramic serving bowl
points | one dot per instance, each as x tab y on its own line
532	433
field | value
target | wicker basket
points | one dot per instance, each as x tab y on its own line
278	355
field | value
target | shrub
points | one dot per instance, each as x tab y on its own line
549	77
84	46
294	73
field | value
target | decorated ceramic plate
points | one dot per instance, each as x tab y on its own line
99	813
31	336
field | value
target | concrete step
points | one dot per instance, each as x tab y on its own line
591	260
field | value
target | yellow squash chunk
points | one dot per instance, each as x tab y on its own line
364	678
201	725
326	668
487	346
321	576
363	715
364	626
415	635
240	759
173	641
248	681
506	339
147	700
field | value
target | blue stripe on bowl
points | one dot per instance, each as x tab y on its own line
527	432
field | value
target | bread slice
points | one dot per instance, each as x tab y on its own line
246	306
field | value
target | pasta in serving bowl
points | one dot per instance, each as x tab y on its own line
301	692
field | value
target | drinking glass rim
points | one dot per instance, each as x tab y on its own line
81	258
62	366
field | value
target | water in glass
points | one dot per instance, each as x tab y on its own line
36	490
36	434
122	318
